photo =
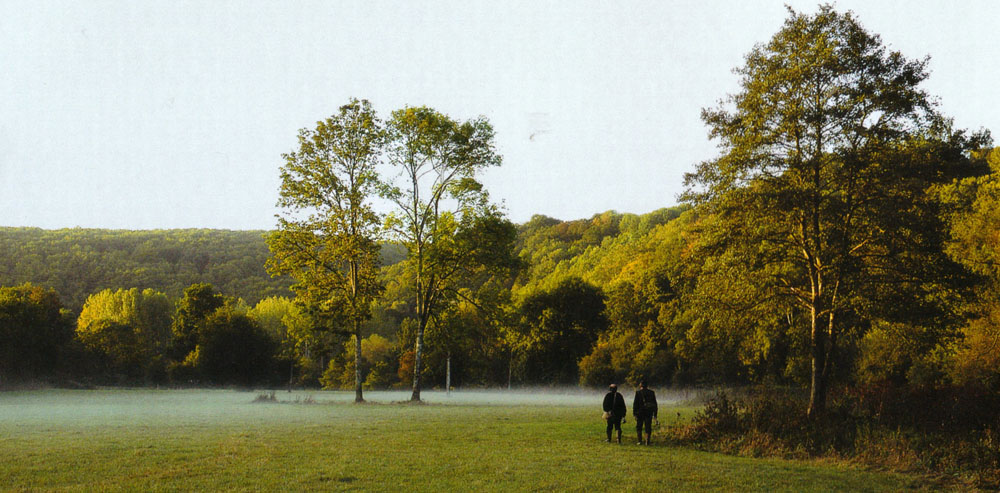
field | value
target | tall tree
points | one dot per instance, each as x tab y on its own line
327	237
438	197
816	192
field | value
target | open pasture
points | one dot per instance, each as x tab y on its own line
222	440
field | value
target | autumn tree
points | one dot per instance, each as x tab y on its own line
816	194
467	336
974	219
638	345
289	326
327	237
437	198
378	357
128	326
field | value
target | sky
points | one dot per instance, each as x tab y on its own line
174	114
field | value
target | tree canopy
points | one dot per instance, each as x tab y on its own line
443	216
328	235
820	193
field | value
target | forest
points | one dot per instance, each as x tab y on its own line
80	262
609	298
840	256
142	278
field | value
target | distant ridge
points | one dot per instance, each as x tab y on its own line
78	262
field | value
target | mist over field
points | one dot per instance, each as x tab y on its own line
538	396
115	407
212	440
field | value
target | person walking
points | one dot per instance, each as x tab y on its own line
614	411
644	409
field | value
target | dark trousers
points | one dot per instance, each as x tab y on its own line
646	421
616	423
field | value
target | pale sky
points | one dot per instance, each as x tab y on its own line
168	114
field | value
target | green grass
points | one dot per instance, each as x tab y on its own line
220	440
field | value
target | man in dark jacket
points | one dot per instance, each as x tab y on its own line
614	404
644	410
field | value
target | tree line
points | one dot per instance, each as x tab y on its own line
125	333
610	298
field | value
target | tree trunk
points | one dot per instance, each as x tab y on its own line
817	390
831	348
417	356
357	362
447	378
291	374
418	349
510	368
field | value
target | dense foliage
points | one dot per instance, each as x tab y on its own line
655	322
846	217
819	198
34	332
328	233
80	262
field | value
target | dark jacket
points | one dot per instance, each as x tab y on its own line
615	403
644	404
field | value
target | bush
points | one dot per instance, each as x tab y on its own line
952	409
338	375
721	416
379	377
266	397
938	430
596	369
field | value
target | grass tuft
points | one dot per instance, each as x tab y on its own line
266	397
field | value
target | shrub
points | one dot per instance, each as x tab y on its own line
721	416
596	369
939	430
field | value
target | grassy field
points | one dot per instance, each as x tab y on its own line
222	440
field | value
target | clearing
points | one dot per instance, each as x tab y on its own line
501	441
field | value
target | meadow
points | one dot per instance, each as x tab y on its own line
163	440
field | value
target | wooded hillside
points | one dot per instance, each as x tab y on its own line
80	262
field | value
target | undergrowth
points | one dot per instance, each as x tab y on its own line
951	433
